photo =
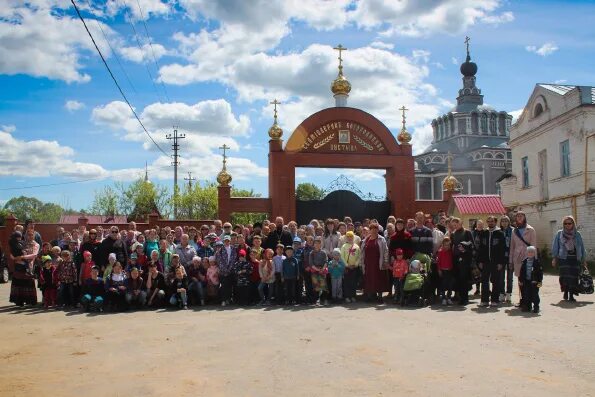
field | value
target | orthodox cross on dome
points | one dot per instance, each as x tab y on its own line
275	102
403	109
340	48
467	40
224	148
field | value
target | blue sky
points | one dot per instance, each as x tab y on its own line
218	63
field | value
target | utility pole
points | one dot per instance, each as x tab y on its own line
176	147
190	179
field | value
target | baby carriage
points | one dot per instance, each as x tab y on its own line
413	288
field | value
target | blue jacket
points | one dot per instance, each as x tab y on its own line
559	249
336	269
290	268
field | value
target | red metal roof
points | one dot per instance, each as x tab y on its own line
93	219
479	204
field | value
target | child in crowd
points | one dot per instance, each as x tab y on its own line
254	275
350	253
93	292
115	288
155	286
298	254
278	262
400	268
48	282
67	276
133	262
154	258
111	260
318	271
530	279
266	270
212	279
141	258
243	271
305	268
55	254
135	289
290	275
336	268
444	265
86	266
196	275
179	288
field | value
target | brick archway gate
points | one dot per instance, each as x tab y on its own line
341	137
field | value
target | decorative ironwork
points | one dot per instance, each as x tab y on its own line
344	183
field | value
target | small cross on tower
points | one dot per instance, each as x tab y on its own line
467	40
403	109
275	102
340	48
224	148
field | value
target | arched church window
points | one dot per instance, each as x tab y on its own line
538	110
493	125
484	123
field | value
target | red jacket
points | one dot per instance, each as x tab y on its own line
444	261
400	268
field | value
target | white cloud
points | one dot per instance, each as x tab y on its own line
516	114
149	8
422	55
41	158
421	18
363	175
207	124
561	81
545	50
143	54
454	61
37	40
382	45
73	105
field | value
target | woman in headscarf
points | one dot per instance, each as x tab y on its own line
523	236
374	259
568	251
23	253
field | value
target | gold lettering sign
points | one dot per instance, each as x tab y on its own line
341	136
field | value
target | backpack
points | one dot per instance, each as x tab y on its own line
413	282
585	283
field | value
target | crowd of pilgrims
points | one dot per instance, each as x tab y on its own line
423	261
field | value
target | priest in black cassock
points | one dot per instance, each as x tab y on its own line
278	235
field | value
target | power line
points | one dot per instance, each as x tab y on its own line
176	147
140	47
70	182
114	52
114	78
151	45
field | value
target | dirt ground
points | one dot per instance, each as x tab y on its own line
355	350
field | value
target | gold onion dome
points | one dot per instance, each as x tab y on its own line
223	178
404	137
275	132
341	86
450	183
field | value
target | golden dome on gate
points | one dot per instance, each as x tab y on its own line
341	86
404	137
275	132
450	184
224	178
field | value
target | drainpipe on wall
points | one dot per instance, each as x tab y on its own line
587	161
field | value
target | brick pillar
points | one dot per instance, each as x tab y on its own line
224	203
152	220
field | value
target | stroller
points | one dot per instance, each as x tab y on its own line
413	288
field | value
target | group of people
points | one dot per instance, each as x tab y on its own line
427	260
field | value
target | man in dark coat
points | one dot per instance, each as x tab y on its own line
113	243
278	236
491	259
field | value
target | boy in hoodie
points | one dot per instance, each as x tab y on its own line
336	268
530	278
290	274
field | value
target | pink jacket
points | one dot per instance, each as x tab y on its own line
518	249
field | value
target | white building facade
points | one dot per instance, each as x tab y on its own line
553	162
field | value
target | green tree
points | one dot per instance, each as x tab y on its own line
49	213
244	218
141	198
24	207
3	215
105	202
200	202
308	191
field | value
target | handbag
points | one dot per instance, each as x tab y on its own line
585	283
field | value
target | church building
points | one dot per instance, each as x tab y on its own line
475	135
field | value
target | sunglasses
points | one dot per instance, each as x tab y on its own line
115	232
568	223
